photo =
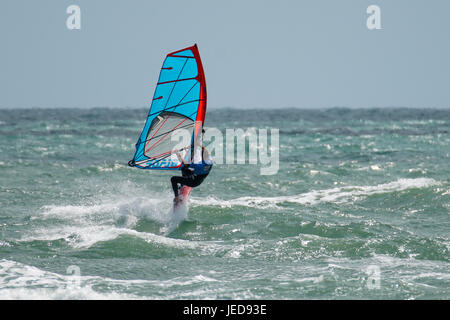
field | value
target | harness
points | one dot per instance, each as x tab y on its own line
198	169
201	168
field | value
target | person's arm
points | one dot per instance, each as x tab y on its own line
185	168
180	158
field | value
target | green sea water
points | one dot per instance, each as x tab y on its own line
359	209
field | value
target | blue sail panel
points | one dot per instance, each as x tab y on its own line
187	53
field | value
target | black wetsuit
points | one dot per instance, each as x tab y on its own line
188	178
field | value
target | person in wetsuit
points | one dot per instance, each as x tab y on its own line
193	174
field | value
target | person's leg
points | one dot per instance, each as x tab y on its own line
175	181
190	181
196	181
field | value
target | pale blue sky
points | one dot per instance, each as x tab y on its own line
268	54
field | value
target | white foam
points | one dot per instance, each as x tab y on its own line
83	226
334	195
428	268
104	220
4	244
75	236
84	234
311	279
132	209
20	281
176	217
88	235
109	168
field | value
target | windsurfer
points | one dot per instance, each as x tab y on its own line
193	174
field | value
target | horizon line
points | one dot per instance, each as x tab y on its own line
232	108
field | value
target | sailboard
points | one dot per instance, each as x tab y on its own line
179	103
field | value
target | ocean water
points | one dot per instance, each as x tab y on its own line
359	209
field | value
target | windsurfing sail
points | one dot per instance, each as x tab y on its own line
179	103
